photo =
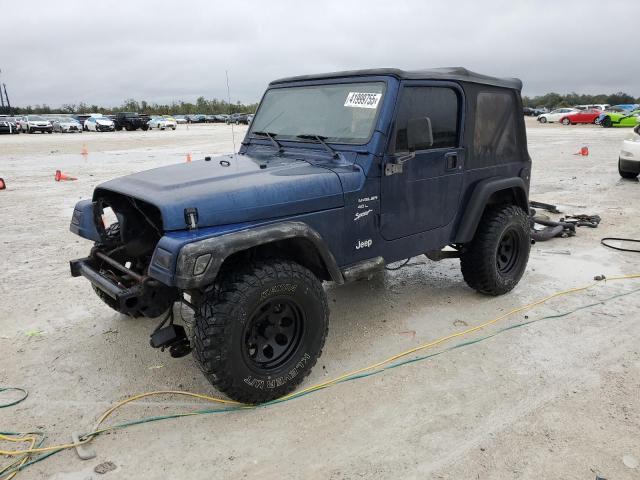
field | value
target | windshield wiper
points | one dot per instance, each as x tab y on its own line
270	136
320	139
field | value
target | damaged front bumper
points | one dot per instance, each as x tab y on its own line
131	293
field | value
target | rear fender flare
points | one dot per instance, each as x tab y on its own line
221	247
481	197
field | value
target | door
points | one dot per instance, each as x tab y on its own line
425	194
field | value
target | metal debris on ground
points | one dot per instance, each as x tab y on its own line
543	228
544	206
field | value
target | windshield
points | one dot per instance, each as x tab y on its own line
341	113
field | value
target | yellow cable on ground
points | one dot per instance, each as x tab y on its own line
318	386
110	411
17	463
453	335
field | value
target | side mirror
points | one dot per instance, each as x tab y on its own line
419	133
419	137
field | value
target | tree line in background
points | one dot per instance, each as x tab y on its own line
215	106
556	100
201	105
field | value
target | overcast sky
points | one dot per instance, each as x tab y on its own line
104	52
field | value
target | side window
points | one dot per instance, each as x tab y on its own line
495	139
440	104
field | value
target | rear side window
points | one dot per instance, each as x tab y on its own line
495	139
440	104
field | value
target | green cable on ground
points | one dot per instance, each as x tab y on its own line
348	379
11	403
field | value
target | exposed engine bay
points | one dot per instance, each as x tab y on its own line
119	261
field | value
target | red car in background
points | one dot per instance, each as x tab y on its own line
583	116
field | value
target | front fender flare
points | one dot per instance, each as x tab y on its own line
223	246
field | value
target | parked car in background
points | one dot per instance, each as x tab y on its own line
625	107
8	125
250	118
81	118
13	122
529	112
556	115
36	123
198	118
622	118
99	124
21	121
131	121
238	118
221	117
581	116
597	106
629	157
162	123
67	124
180	119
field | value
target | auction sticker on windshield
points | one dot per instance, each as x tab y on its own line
362	100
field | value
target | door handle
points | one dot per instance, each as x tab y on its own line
451	160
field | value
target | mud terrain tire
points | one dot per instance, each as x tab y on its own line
261	329
496	258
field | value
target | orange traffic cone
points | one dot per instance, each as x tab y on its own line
85	151
188	157
63	176
584	151
3	185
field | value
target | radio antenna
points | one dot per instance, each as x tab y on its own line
233	134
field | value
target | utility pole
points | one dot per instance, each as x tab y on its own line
1	97
6	96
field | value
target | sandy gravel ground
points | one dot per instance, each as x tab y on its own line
555	400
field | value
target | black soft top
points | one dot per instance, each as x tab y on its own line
445	73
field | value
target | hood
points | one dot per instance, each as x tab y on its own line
239	192
104	121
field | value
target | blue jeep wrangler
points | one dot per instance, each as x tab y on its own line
339	175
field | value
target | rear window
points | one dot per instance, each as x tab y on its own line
495	139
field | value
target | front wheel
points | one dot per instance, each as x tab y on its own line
625	174
542	119
261	329
494	261
606	122
566	121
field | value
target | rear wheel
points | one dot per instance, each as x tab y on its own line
261	329
606	122
625	174
494	261
542	119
